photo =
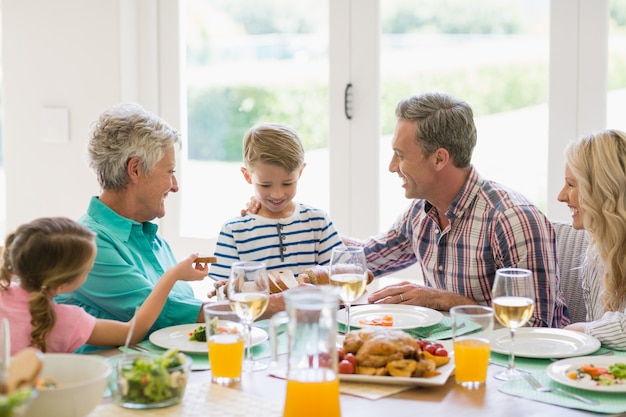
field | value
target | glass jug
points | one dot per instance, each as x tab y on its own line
312	380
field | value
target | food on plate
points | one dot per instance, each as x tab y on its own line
205	260
149	380
198	334
319	275
382	351
281	280
385	320
615	374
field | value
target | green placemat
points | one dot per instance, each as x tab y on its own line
611	403
201	360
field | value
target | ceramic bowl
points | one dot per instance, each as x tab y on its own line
80	383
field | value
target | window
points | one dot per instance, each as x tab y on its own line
616	97
492	54
251	62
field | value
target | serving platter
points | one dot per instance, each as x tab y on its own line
177	337
543	342
404	316
445	372
558	371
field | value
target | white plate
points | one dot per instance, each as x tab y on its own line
543	342
404	316
446	370
557	371
178	337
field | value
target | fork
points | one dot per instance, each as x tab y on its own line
538	387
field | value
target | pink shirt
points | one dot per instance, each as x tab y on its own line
72	328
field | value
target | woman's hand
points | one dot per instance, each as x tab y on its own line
189	270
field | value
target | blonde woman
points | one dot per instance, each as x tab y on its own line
595	192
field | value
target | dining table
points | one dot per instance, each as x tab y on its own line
262	393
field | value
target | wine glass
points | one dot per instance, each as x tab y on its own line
513	303
348	272
248	294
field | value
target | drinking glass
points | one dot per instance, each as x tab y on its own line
225	343
513	303
471	347
248	293
348	272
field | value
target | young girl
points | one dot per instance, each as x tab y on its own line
51	256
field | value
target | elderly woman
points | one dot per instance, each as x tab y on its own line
595	192
133	153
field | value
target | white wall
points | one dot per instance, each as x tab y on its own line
83	56
55	54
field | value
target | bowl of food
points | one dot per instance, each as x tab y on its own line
17	390
149	380
69	385
15	404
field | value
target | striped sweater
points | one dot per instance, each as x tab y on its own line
296	243
609	327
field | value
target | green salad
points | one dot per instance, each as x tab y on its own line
14	401
198	335
153	380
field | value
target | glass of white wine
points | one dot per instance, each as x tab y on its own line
513	302
248	293
348	272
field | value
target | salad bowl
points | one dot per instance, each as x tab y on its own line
147	380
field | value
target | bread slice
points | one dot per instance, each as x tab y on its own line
281	280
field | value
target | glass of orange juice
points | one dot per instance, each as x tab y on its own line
224	335
471	332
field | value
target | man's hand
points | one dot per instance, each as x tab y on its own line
414	294
252	207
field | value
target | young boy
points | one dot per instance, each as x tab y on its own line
284	234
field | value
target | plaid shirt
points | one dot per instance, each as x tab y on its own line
491	227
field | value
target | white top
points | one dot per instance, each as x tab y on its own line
609	327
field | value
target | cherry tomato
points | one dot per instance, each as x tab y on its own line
431	348
346	367
421	344
340	354
326	360
441	352
351	358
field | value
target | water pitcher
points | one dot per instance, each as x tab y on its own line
312	381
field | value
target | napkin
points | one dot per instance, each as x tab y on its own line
203	400
371	391
610	402
358	389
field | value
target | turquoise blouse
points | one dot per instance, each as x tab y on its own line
130	260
